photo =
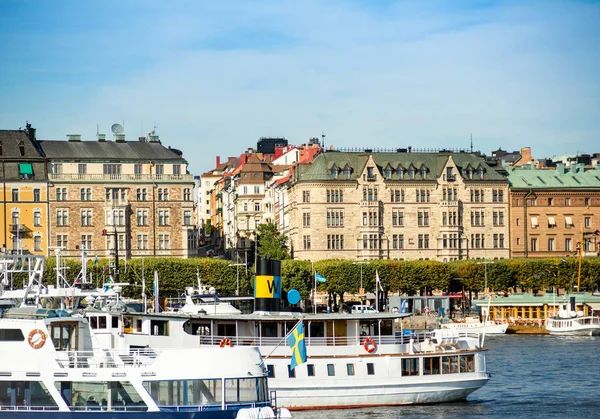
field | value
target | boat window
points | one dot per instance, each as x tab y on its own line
64	336
26	395
243	390
291	372
431	365
267	329
350	369
370	368
449	364
316	330
159	327
86	395
467	363
185	392
271	371
93	322
310	369
226	330
330	370
11	335
115	322
102	322
410	366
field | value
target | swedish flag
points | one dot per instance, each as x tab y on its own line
296	343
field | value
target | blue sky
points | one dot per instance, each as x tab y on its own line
214	76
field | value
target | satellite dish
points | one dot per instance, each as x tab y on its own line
117	129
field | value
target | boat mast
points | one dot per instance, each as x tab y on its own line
581	250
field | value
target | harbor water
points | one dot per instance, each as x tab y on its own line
532	376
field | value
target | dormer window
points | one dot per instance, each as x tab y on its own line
480	172
388	172
411	173
423	172
22	148
334	172
400	172
347	172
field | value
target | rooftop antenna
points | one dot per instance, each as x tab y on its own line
323	136
471	142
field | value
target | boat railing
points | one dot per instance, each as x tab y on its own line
398	339
27	408
109	358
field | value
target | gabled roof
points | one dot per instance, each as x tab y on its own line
10	141
108	150
435	163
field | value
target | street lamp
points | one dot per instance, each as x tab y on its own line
485	264
237	272
362	290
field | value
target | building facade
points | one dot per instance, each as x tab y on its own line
447	206
122	198
24	225
554	210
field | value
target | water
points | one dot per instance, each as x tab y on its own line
532	376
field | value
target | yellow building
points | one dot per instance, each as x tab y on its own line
23	193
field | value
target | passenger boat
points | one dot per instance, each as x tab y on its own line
475	325
353	360
570	322
53	366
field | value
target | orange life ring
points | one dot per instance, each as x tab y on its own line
225	341
370	345
38	343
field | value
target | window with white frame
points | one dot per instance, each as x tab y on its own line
163	241
62	217
163	217
86	217
142	241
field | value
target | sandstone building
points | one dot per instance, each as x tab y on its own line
374	205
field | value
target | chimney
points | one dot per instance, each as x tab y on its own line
101	138
73	138
526	155
218	161
142	139
560	168
119	138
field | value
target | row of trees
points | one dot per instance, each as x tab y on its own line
344	277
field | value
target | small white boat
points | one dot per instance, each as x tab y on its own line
474	325
53	366
570	322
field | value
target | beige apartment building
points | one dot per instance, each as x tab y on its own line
130	197
376	205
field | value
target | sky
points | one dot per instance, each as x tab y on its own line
212	77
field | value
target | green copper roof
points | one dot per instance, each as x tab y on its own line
321	168
538	300
573	178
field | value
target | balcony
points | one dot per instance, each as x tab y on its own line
87	177
451	178
450	204
370	204
21	229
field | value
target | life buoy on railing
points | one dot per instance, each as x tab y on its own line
36	338
225	342
370	345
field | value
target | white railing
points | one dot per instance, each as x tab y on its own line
120	177
106	359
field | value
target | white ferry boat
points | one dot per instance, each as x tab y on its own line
53	365
570	322
475	325
353	360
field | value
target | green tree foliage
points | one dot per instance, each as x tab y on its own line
271	243
343	277
207	227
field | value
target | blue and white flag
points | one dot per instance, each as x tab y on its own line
320	278
295	341
404	306
156	299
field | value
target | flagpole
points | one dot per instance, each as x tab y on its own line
376	290
315	292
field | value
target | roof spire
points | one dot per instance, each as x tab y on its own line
471	142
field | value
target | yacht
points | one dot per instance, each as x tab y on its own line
52	364
475	325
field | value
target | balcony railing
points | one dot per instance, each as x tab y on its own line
71	177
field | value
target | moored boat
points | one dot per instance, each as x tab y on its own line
570	322
52	365
475	325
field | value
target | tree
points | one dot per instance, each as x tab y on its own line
207	228
271	243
